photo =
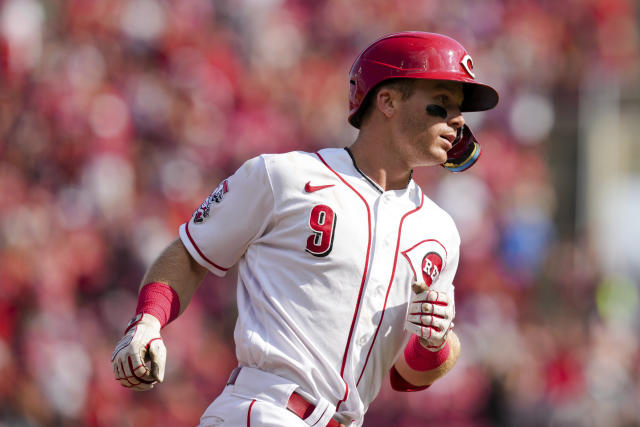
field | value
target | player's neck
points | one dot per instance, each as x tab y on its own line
379	163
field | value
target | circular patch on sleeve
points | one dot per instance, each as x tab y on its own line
431	267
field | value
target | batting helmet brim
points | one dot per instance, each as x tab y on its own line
478	97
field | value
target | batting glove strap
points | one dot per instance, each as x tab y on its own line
141	343
430	317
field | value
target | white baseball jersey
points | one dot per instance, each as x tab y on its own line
325	265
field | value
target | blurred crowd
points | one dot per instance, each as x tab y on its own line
117	118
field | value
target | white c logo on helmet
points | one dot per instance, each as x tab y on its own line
467	63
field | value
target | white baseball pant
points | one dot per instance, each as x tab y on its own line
255	398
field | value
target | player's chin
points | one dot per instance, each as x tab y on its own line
431	162
432	157
438	157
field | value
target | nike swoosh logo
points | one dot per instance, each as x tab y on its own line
311	188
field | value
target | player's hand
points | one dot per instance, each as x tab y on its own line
430	316
141	343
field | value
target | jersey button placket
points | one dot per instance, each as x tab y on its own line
362	341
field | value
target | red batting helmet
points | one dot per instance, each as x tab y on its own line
416	55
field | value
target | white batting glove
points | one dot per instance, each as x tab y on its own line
430	316
141	343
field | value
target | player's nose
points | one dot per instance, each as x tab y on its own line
456	120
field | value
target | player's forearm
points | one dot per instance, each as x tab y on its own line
423	378
176	268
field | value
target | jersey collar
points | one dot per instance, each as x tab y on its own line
369	180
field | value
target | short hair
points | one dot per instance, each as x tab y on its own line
405	86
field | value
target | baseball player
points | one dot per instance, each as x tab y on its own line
345	267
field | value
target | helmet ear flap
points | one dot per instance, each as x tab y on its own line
464	153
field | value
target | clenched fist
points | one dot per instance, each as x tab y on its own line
140	344
430	316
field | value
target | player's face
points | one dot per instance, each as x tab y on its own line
428	121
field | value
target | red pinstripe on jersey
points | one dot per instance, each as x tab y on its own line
249	413
362	282
200	252
393	273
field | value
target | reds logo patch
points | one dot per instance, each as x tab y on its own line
427	259
431	267
216	196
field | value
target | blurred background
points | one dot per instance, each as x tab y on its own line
117	118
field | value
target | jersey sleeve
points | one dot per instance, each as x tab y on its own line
445	282
235	213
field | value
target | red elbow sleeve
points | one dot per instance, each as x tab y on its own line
400	384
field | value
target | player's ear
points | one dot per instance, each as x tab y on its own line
387	101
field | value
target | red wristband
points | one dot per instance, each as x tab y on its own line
420	359
160	300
